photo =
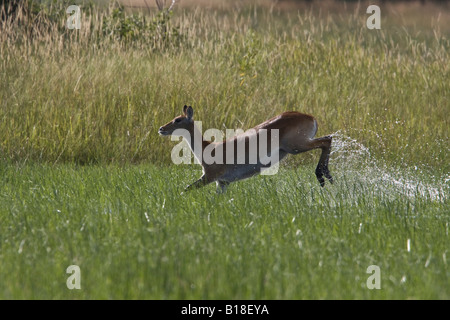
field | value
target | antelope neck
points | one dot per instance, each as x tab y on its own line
197	143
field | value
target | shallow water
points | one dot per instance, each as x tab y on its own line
353	160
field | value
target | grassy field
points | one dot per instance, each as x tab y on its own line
281	237
87	181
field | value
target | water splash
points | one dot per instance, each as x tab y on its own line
351	158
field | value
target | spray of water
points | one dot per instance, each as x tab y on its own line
351	159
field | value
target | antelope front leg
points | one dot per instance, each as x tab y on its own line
221	186
197	184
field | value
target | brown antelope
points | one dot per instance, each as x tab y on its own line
295	132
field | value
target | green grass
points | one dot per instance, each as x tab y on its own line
86	180
281	237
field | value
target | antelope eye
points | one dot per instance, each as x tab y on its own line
178	120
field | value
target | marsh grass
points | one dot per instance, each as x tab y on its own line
81	97
133	236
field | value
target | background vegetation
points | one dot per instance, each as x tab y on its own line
93	96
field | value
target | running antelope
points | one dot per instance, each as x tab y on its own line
295	132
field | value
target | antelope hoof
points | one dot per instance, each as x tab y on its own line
321	181
329	177
319	175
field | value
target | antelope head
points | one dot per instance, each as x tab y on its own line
184	121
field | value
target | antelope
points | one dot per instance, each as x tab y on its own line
295	132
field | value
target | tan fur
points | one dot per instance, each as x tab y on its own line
296	134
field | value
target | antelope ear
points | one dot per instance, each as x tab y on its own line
184	109
189	113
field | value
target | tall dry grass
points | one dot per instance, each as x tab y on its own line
80	96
